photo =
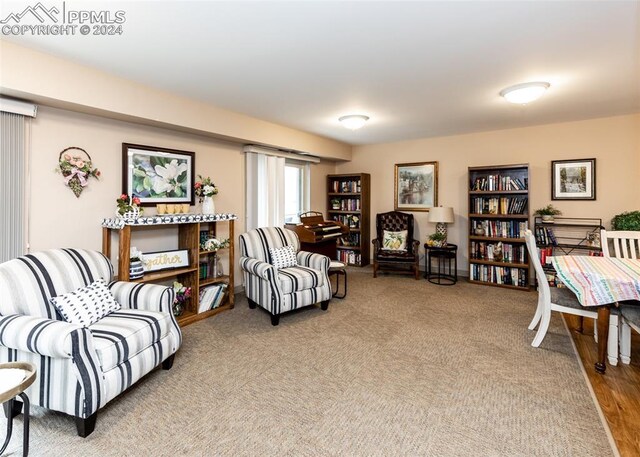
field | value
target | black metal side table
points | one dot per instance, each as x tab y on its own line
447	257
12	407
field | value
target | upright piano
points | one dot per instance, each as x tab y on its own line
318	235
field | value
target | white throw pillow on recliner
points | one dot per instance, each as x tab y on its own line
86	305
283	257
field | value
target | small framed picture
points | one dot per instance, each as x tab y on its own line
157	175
573	179
416	186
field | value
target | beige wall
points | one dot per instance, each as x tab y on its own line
49	80
614	142
59	219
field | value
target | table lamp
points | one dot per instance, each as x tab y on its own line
442	216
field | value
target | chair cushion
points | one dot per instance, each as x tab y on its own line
564	297
86	305
403	256
394	241
295	279
631	313
283	257
123	334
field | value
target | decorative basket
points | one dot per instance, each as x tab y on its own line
134	213
75	176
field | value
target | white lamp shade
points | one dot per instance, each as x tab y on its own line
441	214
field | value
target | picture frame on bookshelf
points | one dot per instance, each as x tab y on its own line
416	186
158	175
165	260
573	179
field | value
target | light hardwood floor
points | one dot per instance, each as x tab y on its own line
618	391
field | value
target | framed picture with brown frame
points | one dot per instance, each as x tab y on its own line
158	175
416	186
573	179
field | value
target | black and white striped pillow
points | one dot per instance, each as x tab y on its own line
87	305
283	257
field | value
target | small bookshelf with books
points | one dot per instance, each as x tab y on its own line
566	236
348	203
498	218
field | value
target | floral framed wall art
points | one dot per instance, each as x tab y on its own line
158	175
416	186
573	179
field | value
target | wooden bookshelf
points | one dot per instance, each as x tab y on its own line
188	238
499	205
348	201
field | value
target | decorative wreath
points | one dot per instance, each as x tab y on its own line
76	169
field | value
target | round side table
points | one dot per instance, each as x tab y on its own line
447	257
11	406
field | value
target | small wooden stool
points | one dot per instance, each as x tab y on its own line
338	269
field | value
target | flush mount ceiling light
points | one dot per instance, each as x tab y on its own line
353	121
522	94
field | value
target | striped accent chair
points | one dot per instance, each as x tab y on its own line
81	369
285	289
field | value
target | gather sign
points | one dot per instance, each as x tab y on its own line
162	260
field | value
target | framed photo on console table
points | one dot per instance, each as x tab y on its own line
573	179
416	186
157	175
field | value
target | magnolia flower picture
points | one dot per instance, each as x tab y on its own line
158	175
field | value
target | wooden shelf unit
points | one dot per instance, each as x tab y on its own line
499	202
566	236
353	192
188	238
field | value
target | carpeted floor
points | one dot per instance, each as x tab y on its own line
400	367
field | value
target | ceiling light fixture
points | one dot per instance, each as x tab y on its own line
353	121
522	94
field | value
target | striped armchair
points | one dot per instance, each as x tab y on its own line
285	289
81	369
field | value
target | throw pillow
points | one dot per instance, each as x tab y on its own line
394	241
283	257
86	305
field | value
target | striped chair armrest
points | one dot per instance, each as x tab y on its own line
149	297
38	335
258	267
313	260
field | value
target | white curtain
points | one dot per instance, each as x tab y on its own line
14	130
265	190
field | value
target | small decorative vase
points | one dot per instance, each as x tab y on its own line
547	218
133	214
208	206
178	309
136	270
216	266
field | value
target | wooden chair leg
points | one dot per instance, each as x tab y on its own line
275	319
375	269
625	342
252	304
542	329
325	305
86	425
168	362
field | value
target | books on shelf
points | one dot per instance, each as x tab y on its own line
500	229
510	276
499	205
498	182
346	186
349	257
349	204
211	297
545	236
498	252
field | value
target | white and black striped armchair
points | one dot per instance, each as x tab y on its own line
284	289
81	369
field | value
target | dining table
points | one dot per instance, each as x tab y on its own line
600	282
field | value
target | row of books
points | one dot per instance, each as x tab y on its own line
211	297
348	220
346	186
499	275
544	254
503	229
352	239
502	205
348	204
349	257
498	182
545	236
498	252
204	270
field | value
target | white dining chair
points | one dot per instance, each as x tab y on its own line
626	245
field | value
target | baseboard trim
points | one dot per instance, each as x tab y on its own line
603	420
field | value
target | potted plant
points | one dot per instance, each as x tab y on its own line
629	220
547	213
335	203
437	240
128	207
182	294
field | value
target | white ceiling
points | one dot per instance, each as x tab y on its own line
417	69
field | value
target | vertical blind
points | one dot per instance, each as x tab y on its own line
12	185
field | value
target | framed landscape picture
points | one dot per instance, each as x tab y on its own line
157	175
573	179
416	186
